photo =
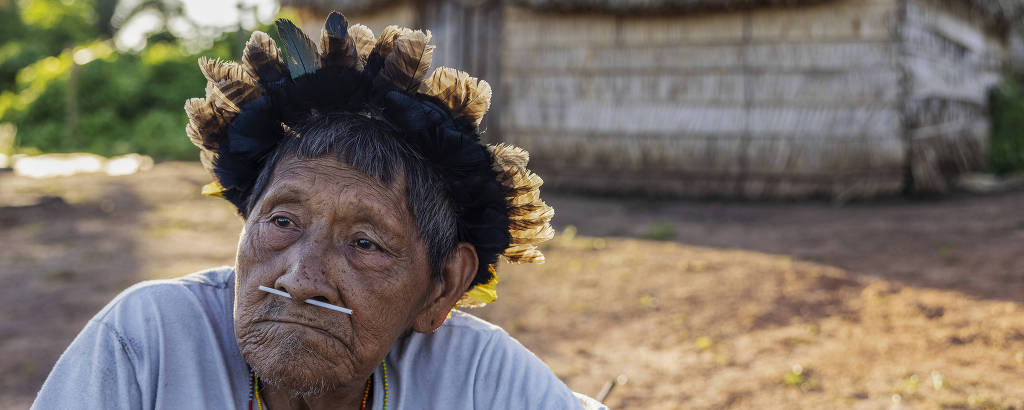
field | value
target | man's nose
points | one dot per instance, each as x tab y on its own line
308	276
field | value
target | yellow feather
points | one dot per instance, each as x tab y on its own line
483	293
213	189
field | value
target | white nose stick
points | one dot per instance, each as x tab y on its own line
310	301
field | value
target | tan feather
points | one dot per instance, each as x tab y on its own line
509	155
364	40
465	96
207	124
220	100
229	86
206	158
524	254
217	70
533	235
529	217
521	185
196	137
407	64
534	213
386	42
262	58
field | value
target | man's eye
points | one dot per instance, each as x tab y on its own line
283	222
365	244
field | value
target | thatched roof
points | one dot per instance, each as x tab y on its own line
650	6
625	6
1002	10
344	6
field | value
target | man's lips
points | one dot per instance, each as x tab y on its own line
295	322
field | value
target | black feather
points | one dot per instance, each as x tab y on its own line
299	50
336	48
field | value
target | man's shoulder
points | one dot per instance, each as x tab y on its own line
176	299
464	345
484	365
462	322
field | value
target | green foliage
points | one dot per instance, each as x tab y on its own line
1006	148
34	29
124	102
66	89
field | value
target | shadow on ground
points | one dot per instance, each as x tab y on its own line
965	243
46	299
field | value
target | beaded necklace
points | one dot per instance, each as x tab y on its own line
255	386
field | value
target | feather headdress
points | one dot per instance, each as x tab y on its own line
248	107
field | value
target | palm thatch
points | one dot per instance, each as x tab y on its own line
633	6
651	6
346	6
1001	10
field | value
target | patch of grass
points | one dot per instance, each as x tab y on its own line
59	275
569	233
791	341
948	256
908	385
703	343
800	378
649	301
661	232
985	403
795	377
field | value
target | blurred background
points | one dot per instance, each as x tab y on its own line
760	203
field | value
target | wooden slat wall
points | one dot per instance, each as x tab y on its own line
769	102
468	36
951	61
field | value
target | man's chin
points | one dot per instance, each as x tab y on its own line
299	385
291	362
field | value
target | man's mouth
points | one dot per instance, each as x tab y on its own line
304	324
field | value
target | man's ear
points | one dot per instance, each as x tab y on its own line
456	275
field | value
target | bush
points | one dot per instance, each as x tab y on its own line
126	102
1006	147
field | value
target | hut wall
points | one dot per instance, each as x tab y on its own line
376	18
951	62
765	102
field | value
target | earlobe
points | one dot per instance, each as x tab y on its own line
456	275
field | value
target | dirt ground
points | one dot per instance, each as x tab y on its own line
890	304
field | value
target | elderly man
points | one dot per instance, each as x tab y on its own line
371	211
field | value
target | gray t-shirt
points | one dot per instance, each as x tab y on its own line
170	344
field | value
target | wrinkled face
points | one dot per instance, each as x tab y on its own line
326	231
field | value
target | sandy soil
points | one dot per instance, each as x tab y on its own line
889	304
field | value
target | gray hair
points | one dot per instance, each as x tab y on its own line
378	150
